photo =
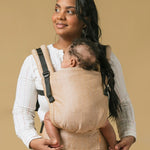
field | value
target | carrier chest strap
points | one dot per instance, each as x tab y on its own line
40	92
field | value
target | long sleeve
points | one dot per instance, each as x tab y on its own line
25	102
126	121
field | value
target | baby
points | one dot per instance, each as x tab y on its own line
81	54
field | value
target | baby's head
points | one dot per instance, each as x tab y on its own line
81	53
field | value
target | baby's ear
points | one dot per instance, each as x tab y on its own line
73	62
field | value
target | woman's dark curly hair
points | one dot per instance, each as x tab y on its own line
87	12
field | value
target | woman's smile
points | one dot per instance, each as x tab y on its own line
61	25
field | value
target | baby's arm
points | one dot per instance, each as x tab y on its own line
109	134
52	131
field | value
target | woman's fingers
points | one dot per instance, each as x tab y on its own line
126	147
120	145
125	143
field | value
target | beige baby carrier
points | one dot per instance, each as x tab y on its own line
78	106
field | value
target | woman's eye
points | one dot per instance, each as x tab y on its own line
57	10
70	12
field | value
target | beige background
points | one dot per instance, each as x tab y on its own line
25	25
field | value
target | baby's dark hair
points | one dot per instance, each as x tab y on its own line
85	63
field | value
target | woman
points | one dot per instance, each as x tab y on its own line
72	19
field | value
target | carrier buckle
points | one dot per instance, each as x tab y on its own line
46	74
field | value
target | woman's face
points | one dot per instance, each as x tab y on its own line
65	20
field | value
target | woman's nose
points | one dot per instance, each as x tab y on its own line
61	16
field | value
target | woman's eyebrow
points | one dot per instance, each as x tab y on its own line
67	7
58	5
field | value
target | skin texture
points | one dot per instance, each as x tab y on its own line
43	144
66	23
68	61
68	27
52	131
109	134
125	143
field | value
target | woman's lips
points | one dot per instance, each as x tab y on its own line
60	25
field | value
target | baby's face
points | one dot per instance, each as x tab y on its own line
66	59
72	60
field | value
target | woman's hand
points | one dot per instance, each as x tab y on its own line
42	144
125	143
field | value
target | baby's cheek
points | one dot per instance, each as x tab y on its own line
63	64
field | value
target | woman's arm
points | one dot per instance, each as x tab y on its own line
24	106
25	102
126	121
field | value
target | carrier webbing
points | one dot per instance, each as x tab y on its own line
46	75
107	51
42	59
40	92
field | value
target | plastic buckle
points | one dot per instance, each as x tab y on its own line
51	99
46	74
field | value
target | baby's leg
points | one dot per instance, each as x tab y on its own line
52	131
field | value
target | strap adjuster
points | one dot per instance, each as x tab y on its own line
51	99
46	74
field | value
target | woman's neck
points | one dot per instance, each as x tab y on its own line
62	44
64	41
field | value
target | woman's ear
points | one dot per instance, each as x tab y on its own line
73	62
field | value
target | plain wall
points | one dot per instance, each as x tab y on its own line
25	25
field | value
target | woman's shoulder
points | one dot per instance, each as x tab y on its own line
28	67
29	61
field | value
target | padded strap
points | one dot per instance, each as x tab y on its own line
47	58
46	75
42	59
108	52
108	55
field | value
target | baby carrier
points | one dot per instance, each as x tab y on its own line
78	106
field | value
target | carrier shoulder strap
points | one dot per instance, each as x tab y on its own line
108	55
108	52
43	61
